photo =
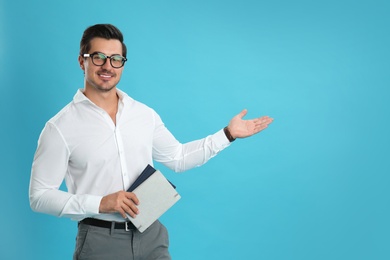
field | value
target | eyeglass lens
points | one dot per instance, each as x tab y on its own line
99	59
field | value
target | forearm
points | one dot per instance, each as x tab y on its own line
186	156
62	204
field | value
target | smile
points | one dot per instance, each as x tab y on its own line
105	76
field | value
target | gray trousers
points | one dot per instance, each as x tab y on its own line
99	243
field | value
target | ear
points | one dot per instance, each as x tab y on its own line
81	62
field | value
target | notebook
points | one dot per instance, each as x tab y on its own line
155	194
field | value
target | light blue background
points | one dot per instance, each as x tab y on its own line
315	185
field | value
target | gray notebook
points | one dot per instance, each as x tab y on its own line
156	195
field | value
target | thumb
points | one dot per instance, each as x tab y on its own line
242	113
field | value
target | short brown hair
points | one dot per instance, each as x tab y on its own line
106	31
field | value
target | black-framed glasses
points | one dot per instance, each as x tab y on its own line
99	59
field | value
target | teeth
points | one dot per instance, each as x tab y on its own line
105	76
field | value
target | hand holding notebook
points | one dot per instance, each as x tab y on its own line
155	194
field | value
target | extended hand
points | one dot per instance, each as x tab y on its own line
122	202
240	128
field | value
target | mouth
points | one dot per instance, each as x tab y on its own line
105	76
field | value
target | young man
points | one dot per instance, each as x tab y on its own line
99	143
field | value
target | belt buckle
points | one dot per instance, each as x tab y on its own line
127	226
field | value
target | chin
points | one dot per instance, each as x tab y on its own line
105	89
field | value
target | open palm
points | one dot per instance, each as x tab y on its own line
240	128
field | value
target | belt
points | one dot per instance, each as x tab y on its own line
107	224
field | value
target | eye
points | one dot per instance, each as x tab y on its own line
117	58
99	56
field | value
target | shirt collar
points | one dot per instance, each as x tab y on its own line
80	97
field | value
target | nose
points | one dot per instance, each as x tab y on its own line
107	64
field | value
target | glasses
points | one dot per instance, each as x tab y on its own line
99	59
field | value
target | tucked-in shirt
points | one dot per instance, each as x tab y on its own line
96	157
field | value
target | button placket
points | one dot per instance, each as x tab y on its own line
121	153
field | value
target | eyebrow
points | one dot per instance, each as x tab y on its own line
106	54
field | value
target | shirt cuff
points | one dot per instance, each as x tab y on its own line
92	205
221	140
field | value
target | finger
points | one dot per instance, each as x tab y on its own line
123	213
133	197
263	120
134	209
129	208
242	113
260	128
132	205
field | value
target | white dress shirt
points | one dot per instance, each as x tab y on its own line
82	145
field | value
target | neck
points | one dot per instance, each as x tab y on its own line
101	97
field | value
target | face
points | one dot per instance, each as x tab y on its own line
102	78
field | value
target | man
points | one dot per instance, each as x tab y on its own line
99	143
